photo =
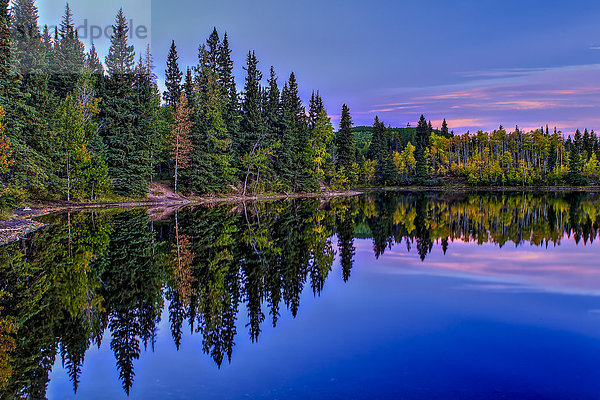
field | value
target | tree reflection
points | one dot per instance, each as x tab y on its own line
90	274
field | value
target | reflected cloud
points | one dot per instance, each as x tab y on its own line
566	269
528	97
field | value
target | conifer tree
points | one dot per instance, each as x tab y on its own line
188	87
271	104
93	62
30	58
173	76
321	147
380	152
423	134
227	83
346	144
26	38
444	131
69	57
211	159
314	109
576	163
127	154
213	47
295	138
252	123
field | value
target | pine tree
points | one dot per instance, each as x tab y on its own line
227	83
444	131
127	154
380	152
295	138
173	76
252	124
26	37
346	145
314	108
576	163
30	58
93	62
213	46
188	87
69	57
211	169
321	144
271	103
423	134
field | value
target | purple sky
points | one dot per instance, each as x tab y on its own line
477	63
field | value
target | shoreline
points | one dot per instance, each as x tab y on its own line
22	222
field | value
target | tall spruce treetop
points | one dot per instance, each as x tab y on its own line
314	108
252	121
173	76
444	130
188	87
11	99
213	45
227	83
423	135
121	56
345	143
26	37
271	107
378	146
93	62
69	57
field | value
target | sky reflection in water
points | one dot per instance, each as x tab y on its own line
480	321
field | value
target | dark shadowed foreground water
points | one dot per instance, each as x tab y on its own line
392	295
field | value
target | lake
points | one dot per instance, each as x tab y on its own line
383	295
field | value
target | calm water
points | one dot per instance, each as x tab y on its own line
392	295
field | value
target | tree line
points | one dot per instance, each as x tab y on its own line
427	156
75	128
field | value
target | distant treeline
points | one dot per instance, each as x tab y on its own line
76	128
422	155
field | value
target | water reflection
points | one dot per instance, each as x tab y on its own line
88	275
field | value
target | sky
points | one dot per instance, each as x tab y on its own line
479	64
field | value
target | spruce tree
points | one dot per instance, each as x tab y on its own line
127	147
252	123
188	87
297	132
227	83
30	58
271	103
26	38
314	108
380	152
444	131
31	170
285	157
576	162
213	47
173	76
423	134
93	62
346	145
69	57
211	159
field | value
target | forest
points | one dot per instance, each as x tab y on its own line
78	128
106	277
